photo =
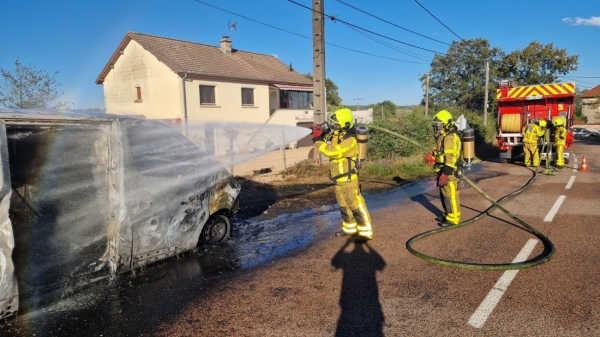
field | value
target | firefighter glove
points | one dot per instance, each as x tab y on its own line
442	180
429	159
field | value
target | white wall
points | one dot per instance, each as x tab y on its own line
160	87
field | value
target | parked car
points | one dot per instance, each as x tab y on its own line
580	133
86	196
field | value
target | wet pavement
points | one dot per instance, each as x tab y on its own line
134	302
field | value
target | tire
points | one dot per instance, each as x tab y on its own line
566	161
216	230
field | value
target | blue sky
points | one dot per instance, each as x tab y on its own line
76	38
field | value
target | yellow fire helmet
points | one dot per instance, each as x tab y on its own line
442	119
542	123
342	119
557	121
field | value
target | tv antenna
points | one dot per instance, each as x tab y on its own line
232	27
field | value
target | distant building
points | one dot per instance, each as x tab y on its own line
589	104
164	78
363	116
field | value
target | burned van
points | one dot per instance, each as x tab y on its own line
86	196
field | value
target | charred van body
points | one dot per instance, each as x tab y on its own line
87	196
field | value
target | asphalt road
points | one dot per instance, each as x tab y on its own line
328	286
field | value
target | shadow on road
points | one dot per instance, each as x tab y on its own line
361	313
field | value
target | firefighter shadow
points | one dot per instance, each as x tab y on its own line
361	313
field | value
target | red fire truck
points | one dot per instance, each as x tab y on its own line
518	106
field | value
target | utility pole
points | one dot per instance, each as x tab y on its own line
485	103
427	96
357	103
319	91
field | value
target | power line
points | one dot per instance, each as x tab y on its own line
578	81
391	23
583	76
438	20
303	36
333	18
391	47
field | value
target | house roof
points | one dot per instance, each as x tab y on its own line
595	91
205	61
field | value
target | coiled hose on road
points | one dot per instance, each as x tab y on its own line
544	257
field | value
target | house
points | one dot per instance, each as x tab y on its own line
186	82
590	106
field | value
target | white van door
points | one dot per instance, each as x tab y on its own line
9	292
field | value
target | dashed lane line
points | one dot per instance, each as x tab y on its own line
570	183
493	297
554	208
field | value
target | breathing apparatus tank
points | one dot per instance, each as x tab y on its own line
468	142
362	136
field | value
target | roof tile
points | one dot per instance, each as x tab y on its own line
204	60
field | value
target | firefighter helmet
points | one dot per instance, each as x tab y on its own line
341	119
542	123
442	120
557	121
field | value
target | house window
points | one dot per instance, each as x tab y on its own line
296	99
207	94
247	96
138	92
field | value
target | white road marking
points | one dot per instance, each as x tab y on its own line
554	208
493	297
570	183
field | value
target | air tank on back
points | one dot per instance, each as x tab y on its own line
362	136
468	142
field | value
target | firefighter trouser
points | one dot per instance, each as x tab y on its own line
560	160
451	200
531	150
355	216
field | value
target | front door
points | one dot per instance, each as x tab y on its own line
9	292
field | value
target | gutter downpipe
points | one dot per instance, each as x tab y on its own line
185	115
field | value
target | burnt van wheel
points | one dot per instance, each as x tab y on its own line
216	230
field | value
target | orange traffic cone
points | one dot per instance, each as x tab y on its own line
583	165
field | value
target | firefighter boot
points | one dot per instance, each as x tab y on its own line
446	223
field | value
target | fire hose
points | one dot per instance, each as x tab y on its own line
544	257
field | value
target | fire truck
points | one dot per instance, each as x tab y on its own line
521	105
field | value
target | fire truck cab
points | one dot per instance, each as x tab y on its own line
521	105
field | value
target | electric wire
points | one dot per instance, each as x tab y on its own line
438	20
389	46
303	36
333	18
544	257
397	87
391	23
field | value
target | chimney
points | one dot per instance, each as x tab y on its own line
226	45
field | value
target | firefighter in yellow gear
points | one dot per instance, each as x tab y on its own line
340	145
445	160
560	139
532	132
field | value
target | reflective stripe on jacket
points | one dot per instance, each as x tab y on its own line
342	155
448	149
560	136
532	133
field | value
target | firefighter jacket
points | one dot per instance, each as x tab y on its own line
532	133
560	135
342	150
448	151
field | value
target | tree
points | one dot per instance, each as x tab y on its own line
383	109
459	76
578	110
537	64
334	101
28	88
